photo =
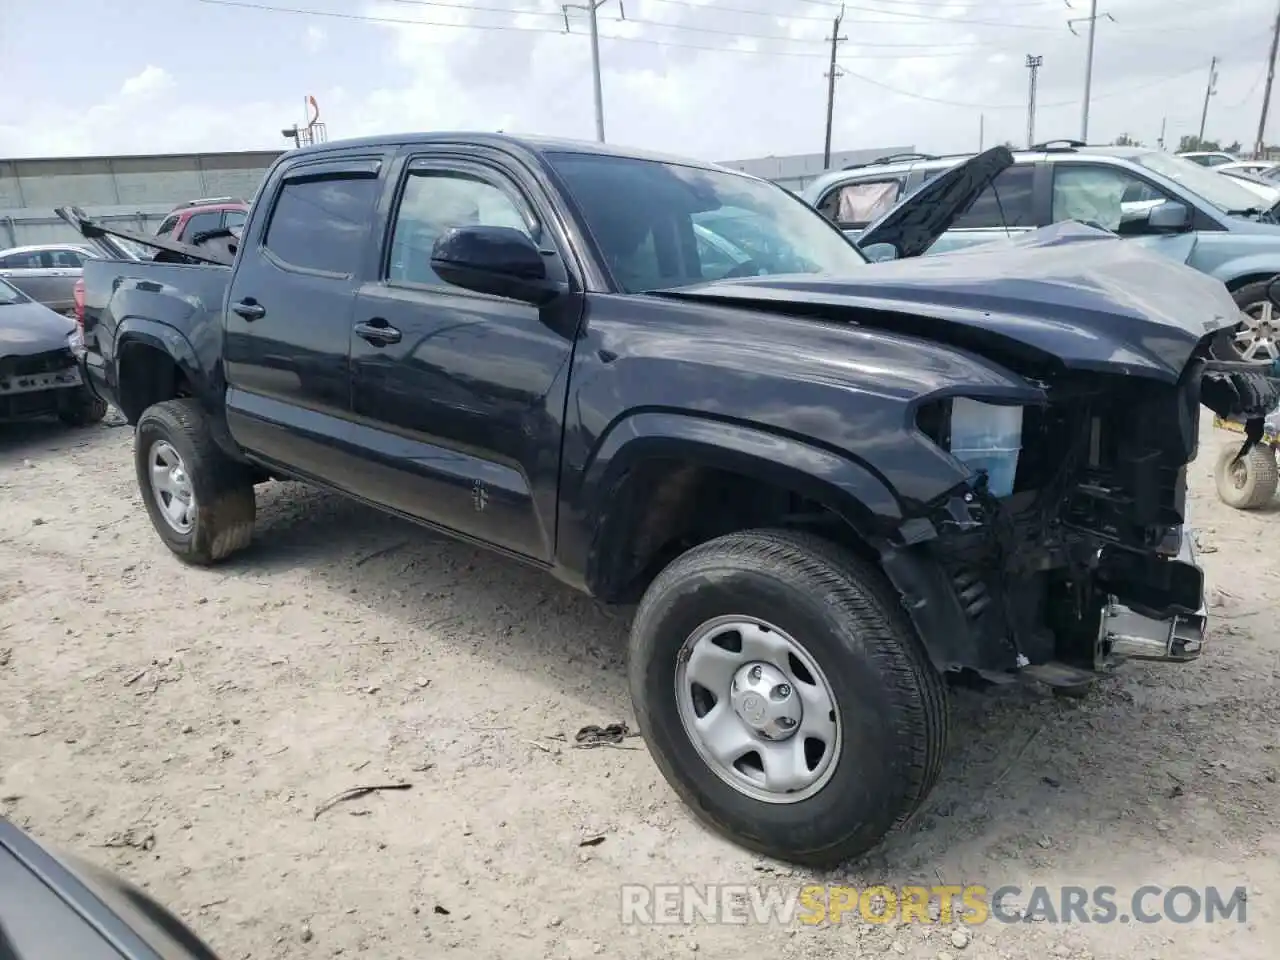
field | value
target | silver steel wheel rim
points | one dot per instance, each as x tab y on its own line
1257	337
171	486
738	723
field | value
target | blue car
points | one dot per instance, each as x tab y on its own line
1166	203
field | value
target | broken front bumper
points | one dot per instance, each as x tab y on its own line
1125	634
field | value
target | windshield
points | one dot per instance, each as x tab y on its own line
10	294
1222	192
650	220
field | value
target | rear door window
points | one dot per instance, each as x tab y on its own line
857	204
67	259
322	222
199	223
1007	202
28	260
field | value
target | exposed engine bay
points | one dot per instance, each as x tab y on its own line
1093	543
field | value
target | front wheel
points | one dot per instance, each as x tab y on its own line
1257	336
785	696
200	501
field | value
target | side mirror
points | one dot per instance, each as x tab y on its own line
496	260
1170	215
880	252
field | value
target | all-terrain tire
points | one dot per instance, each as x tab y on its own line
225	505
1249	484
891	701
83	410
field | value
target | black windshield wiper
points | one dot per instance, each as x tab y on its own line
1249	212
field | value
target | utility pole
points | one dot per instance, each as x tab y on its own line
1209	91
1260	147
833	73
1092	20
1163	122
591	6
1033	65
982	131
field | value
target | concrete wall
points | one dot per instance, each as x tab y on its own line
135	192
796	171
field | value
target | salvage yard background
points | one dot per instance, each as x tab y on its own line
183	726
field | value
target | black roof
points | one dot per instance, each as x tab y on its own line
526	144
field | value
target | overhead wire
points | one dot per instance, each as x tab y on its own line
1017	106
647	41
924	17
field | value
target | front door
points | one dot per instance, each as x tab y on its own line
1119	200
459	396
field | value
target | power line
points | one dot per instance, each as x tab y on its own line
647	41
1128	91
927	18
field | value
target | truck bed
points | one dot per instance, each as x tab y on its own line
175	306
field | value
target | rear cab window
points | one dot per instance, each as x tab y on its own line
322	220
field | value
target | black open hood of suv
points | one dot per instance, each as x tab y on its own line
918	221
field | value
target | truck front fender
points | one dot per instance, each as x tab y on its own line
605	518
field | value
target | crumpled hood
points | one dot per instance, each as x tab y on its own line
29	328
1076	294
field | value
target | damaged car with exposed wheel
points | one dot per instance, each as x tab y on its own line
829	484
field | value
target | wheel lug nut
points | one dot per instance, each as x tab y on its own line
755	672
786	723
781	691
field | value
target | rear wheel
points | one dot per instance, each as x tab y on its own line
200	500
82	409
1247	482
784	695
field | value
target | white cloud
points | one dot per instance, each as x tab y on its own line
314	39
677	76
151	81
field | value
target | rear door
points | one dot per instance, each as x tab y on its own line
1006	208
288	322
854	204
198	223
32	272
458	396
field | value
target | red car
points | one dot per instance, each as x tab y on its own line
200	216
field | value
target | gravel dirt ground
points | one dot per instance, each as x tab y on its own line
182	726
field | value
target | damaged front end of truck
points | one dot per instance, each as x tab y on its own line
1089	557
1062	541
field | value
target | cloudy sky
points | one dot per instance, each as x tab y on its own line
716	79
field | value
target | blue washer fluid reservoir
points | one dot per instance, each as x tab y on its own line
987	437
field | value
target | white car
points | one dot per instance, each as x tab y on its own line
1208	158
1267	191
1259	168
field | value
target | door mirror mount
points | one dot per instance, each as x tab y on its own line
880	252
500	261
1169	217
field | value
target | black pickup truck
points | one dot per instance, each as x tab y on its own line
828	483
